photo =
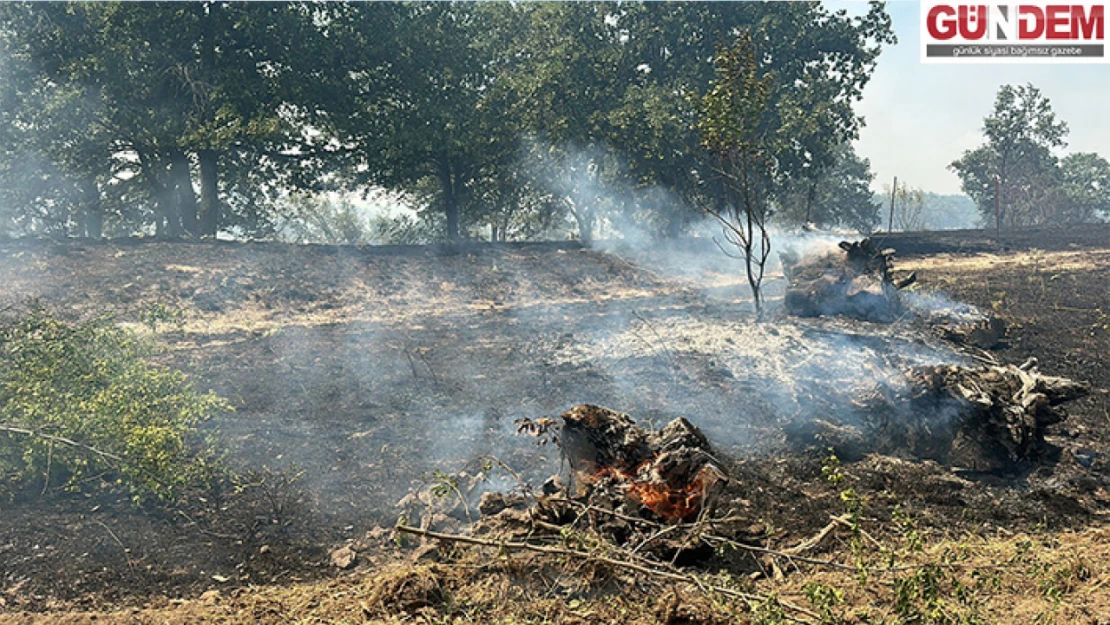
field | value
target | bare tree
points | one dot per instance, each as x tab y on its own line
735	131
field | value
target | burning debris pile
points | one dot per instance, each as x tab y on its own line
859	283
618	470
626	483
624	479
669	472
985	418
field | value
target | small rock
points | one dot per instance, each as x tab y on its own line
211	597
1085	457
344	557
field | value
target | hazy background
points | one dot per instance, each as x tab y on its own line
921	117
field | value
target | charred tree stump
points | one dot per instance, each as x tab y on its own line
859	283
670	472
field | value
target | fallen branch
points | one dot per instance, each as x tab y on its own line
844	520
572	553
126	551
777	554
817	538
790	553
205	531
1073	309
612	513
14	429
984	358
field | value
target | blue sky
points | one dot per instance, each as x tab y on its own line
922	117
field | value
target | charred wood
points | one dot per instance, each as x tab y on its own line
859	283
986	418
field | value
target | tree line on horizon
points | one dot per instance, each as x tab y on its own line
513	119
510	120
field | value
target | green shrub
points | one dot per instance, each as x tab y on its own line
80	404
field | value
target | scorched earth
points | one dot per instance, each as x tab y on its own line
361	376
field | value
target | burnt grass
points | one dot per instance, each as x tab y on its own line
361	370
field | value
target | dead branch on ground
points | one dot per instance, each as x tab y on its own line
660	573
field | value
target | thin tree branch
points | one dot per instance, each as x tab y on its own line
59	439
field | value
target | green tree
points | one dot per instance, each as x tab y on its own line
174	95
320	219
52	164
1016	159
431	122
193	118
561	80
1085	178
820	59
909	208
626	73
775	116
840	195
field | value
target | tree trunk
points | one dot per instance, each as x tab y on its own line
811	193
584	218
450	198
452	208
1001	188
209	193
749	242
208	219
167	222
185	197
93	212
173	220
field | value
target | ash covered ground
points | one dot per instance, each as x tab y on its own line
364	370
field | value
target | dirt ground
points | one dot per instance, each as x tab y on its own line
362	370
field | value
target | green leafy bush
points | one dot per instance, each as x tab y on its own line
81	404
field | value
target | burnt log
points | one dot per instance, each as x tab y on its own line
985	418
594	438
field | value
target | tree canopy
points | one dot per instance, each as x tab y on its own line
192	119
1016	177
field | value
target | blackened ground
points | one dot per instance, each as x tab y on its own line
1056	239
365	370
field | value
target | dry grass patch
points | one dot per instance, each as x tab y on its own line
1022	578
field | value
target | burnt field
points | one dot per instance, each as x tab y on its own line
358	375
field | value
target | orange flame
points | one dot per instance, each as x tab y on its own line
673	504
669	503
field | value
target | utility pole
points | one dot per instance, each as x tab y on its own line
893	191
